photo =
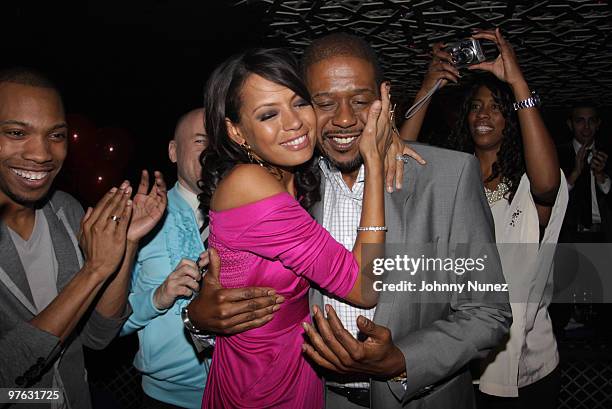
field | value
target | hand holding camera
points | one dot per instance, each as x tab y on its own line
440	68
468	53
505	67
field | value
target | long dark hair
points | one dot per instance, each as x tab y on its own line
222	99
510	163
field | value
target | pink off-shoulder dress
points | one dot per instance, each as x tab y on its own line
273	243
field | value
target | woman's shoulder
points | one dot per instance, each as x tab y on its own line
245	184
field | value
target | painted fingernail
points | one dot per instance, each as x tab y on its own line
389	189
113	190
276	307
327	308
280	299
129	202
305	326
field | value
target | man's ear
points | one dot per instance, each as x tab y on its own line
234	132
570	125
172	151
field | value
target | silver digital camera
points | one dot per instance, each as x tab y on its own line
465	52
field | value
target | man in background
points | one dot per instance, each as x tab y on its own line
165	277
585	164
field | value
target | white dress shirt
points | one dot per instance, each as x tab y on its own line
604	187
341	216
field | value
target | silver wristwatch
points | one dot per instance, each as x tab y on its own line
532	101
187	322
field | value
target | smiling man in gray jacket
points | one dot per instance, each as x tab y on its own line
54	298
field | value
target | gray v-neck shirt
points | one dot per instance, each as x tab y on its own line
38	259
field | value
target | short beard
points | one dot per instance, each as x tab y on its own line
22	201
345	167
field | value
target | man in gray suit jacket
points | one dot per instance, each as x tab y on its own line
53	298
421	339
428	341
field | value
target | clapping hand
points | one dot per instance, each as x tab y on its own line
598	164
102	235
148	205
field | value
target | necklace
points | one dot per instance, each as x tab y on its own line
499	192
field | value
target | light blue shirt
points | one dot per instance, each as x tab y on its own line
172	371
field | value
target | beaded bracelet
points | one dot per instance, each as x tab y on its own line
372	228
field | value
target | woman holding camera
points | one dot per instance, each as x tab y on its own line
500	124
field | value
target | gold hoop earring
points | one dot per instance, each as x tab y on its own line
254	159
249	151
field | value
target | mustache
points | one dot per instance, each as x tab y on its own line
342	132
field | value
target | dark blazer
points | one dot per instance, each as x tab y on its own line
23	345
567	161
441	204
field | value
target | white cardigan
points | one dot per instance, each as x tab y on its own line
531	351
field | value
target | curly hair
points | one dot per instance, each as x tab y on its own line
510	163
222	99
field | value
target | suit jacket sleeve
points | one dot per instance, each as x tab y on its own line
476	322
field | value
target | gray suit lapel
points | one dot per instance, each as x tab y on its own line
394	209
317	209
12	273
315	297
63	246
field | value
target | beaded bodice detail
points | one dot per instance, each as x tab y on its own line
234	263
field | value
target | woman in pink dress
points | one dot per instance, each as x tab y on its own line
259	180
